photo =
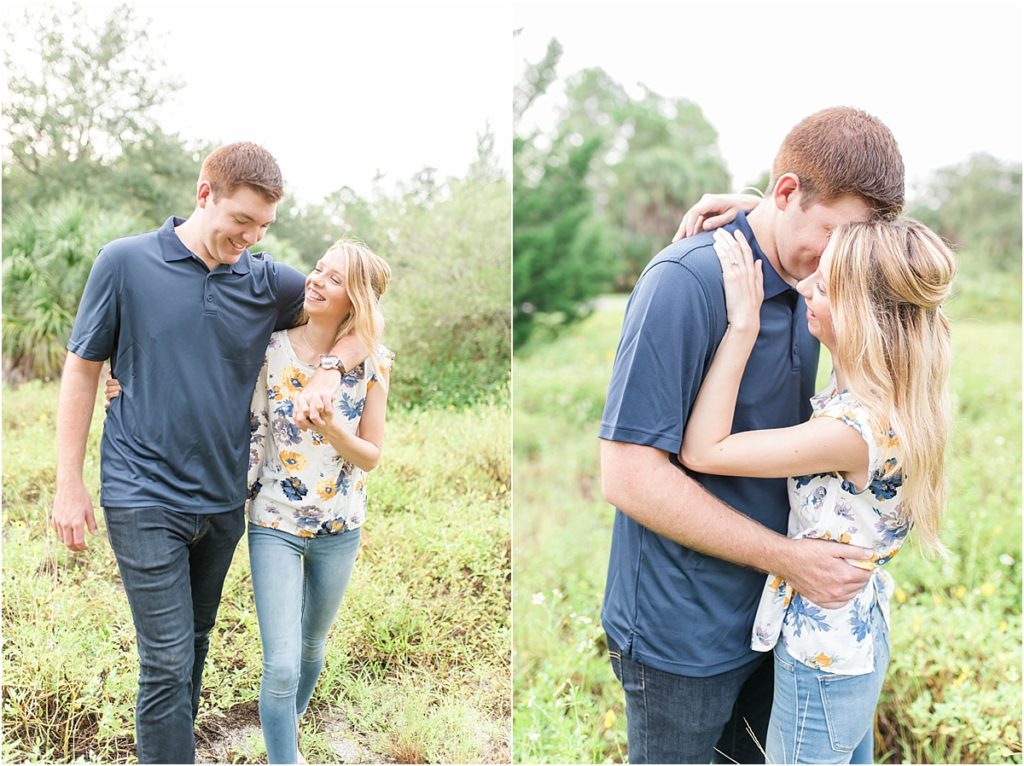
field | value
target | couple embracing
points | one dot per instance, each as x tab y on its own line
753	514
226	361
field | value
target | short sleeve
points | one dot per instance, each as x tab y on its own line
96	322
664	350
385	359
291	288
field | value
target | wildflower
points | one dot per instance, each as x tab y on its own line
901	596
1006	560
609	720
534	735
961	591
1003	625
538	598
988	589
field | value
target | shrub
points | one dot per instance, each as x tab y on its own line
47	257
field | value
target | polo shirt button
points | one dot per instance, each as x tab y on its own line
209	298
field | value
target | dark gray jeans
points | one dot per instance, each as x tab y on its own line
173	567
685	719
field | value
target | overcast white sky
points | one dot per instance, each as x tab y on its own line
337	90
945	77
340	90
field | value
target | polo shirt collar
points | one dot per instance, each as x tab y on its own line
173	249
773	283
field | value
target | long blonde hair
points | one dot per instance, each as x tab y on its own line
887	283
366	278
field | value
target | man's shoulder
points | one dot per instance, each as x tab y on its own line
131	246
692	258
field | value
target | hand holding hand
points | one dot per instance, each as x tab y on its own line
312	405
712	211
742	277
825	572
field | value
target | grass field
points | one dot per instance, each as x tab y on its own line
953	692
418	663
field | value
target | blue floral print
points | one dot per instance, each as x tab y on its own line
300	484
829	507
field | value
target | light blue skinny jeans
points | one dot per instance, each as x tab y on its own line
822	717
299	583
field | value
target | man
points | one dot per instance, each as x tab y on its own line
689	551
184	314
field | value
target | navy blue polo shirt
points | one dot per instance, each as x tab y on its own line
665	605
186	343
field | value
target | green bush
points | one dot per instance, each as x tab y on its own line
448	304
47	257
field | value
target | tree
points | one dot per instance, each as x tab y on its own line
658	156
562	254
80	97
976	205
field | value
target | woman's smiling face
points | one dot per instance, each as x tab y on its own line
326	294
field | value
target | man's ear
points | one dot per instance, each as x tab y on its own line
786	187
204	193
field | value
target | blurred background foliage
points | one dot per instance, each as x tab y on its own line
85	162
603	190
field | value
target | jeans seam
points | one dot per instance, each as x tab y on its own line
822	687
647	721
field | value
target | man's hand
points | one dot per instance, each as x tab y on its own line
823	571
72	515
712	211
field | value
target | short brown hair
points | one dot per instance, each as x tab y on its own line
243	163
840	151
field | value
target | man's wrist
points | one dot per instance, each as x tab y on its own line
331	362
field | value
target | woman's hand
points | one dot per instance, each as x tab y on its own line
744	285
111	390
712	211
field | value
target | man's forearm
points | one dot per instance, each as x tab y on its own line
643	484
350	350
74	416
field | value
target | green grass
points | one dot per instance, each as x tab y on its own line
953	689
418	662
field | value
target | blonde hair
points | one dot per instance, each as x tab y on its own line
887	283
366	278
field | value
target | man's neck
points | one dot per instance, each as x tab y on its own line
190	238
762	223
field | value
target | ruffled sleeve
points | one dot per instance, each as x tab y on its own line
385	358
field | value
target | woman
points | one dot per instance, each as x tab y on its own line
866	468
308	488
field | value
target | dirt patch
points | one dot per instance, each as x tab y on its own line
226	738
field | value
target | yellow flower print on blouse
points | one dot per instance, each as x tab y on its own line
326	489
293	462
292	380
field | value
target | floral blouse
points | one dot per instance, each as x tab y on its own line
827	507
297	482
